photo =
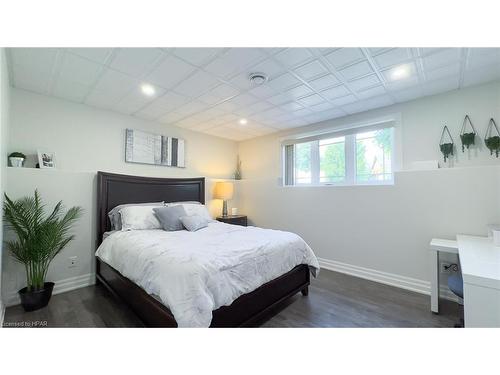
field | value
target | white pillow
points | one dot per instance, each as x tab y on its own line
195	209
139	217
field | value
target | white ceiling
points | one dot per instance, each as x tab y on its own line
207	89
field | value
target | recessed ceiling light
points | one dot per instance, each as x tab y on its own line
243	121
148	89
400	72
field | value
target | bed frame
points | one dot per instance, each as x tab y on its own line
247	310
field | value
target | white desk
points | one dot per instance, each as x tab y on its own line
480	263
438	246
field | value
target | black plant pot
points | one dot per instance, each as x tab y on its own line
36	299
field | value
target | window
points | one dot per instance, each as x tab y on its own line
356	156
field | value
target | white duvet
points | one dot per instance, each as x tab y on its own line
194	273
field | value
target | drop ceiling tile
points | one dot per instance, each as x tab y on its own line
135	100
311	70
479	57
290	107
481	75
197	56
30	79
36	59
279	99
439	86
393	57
197	84
262	92
102	99
335	92
202	126
229	133
302	112
162	105
364	83
444	71
345	56
324	82
283	82
321	107
169	72
292	57
343	100
444	57
191	108
377	50
135	62
407	94
401	84
357	70
79	70
116	84
269	67
374	91
299	91
234	61
226	106
170	117
243	100
364	105
311	100
258	107
97	55
241	81
70	90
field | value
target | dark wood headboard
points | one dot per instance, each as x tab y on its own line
114	189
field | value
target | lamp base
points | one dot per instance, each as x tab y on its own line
224	208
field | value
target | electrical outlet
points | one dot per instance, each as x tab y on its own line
72	262
448	267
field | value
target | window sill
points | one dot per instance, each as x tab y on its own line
385	183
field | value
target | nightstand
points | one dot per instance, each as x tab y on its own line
233	219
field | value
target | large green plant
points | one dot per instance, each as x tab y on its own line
40	237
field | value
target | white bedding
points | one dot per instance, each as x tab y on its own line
194	273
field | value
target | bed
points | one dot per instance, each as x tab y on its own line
247	309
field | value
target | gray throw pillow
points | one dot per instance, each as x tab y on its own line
194	222
115	217
169	217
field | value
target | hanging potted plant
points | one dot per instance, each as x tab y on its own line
446	145
17	159
492	138
40	238
467	138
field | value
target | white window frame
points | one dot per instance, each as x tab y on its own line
349	132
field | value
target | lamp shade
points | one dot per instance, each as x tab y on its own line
223	190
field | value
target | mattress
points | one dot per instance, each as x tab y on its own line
195	273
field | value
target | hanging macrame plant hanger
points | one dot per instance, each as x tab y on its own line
467	138
446	146
491	140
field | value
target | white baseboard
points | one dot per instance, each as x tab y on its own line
60	286
399	281
2	313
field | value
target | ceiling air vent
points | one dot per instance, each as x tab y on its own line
257	79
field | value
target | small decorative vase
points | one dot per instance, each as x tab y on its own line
16	162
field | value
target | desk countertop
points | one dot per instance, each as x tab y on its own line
480	261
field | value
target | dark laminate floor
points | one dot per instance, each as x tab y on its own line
335	300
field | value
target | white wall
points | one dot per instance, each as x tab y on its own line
4	121
86	140
385	228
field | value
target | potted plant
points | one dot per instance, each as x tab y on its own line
446	146
467	138
40	238
491	139
17	159
237	173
